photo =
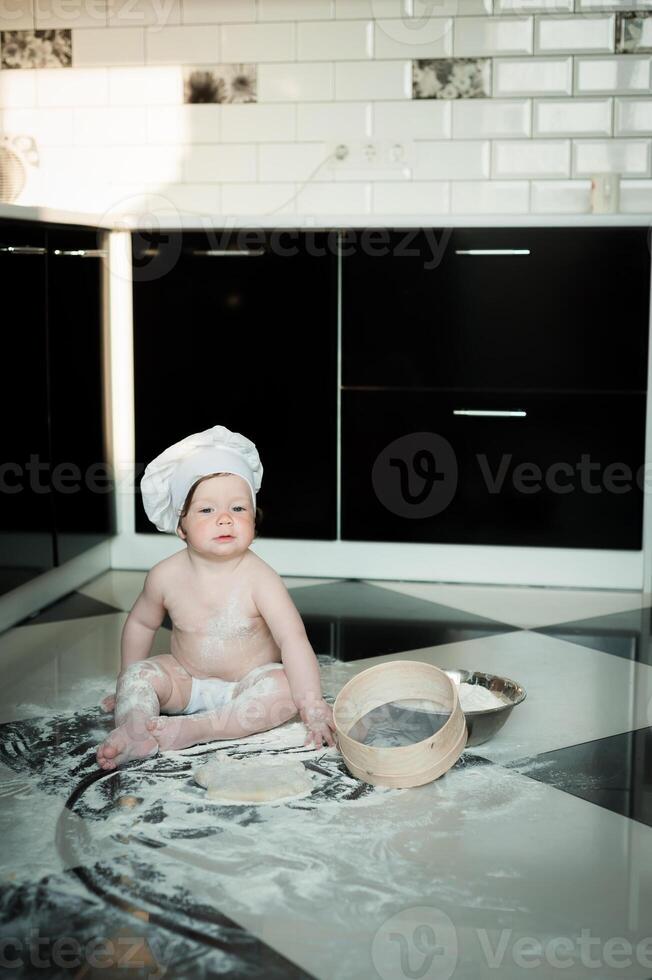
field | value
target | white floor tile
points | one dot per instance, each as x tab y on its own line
527	608
573	694
62	666
117	588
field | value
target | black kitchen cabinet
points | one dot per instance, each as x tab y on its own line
496	308
57	500
565	473
26	515
239	328
82	486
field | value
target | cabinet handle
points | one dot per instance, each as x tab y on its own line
81	253
494	413
492	251
214	252
22	249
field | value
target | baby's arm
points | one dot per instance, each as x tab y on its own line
145	617
140	626
275	605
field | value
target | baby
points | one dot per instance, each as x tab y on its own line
240	661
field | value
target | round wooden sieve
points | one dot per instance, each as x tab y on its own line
401	766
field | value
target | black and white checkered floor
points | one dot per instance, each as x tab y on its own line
531	857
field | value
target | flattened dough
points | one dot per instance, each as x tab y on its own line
253	780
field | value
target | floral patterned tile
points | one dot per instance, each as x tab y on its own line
219	83
634	31
36	49
451	78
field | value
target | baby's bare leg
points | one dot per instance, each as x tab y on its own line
264	704
141	691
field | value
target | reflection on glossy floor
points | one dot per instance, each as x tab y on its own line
531	857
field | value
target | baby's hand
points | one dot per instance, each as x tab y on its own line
318	719
108	703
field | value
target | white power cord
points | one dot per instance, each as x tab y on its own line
340	153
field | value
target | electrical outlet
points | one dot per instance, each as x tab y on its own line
373	157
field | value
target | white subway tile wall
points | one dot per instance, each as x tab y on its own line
144	87
182	45
636	196
184	124
260	198
373	80
482	36
269	10
491	117
220	12
353	40
633	117
531	158
447	160
48	127
330	121
628	157
253	123
532	6
55	14
335	198
560	196
397	39
626	74
19	16
417	197
555	35
490	197
584	5
458	107
293	161
130	13
99	47
108	125
296	83
534	76
425	119
259	42
572	117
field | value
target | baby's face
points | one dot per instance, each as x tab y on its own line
220	521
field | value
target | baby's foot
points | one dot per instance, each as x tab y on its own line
174	732
121	747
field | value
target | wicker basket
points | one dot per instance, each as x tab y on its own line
406	765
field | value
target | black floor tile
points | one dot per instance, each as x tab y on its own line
35	917
73	606
613	772
351	620
623	634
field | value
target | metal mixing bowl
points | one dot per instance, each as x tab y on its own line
482	725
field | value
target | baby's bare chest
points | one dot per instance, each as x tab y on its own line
216	625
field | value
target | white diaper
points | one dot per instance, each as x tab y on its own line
212	693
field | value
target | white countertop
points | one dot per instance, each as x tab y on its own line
18	212
196	221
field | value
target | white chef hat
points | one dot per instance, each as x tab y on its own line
168	478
